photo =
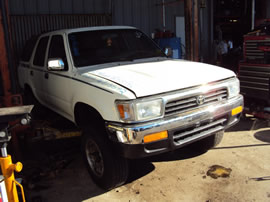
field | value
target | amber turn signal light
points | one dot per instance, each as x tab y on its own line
155	137
237	110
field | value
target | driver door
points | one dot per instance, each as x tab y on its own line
57	82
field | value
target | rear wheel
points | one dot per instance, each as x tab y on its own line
106	167
208	142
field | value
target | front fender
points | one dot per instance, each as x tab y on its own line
101	96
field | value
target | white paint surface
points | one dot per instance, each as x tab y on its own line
158	77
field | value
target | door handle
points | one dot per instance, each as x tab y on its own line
31	73
46	75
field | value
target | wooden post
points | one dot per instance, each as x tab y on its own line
192	29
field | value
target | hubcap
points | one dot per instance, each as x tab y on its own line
94	158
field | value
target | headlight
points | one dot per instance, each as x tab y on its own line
234	88
139	111
148	110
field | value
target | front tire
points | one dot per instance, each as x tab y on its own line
106	167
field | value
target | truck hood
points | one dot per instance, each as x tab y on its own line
151	78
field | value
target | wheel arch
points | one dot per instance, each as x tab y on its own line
28	91
26	86
85	114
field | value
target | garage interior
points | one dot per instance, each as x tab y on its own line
50	150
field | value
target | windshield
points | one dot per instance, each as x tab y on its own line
104	46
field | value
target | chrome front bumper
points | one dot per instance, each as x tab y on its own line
184	128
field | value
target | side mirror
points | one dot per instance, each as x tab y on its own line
168	51
56	64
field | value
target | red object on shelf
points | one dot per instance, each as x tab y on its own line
255	48
264	48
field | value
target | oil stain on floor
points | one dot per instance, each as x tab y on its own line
217	171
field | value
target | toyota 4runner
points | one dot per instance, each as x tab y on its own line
129	98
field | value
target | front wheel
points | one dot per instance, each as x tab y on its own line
106	167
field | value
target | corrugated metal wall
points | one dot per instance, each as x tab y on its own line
146	14
37	7
32	17
25	26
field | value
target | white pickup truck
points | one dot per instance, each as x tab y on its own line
128	97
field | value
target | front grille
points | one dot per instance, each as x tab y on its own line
202	130
192	102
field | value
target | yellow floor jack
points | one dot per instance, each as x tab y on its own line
8	183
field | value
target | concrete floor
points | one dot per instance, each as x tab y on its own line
179	176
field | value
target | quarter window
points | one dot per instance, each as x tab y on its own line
39	58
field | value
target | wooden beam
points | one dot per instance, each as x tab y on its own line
192	29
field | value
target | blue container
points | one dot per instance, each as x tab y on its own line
173	43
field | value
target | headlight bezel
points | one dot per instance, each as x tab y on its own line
131	110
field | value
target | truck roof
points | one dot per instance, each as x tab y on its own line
82	29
